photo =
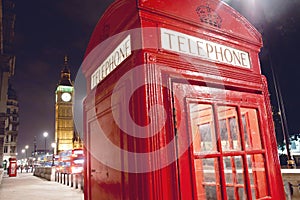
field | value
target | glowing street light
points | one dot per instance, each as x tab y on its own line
26	148
45	134
53	145
23	151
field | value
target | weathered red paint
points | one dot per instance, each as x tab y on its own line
188	79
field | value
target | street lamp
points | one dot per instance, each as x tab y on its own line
45	135
23	152
53	145
34	146
26	148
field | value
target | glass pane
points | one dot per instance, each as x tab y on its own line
210	192
253	193
207	178
251	128
249	160
234	171
242	194
229	132
203	128
234	176
236	193
230	193
257	173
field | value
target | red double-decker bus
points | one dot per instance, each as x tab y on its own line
77	161
71	161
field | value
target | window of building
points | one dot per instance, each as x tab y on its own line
12	138
14	128
293	145
5	149
12	149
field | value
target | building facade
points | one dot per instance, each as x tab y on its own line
11	125
7	61
66	136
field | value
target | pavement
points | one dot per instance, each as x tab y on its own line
28	187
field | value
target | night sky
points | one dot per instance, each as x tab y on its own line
46	31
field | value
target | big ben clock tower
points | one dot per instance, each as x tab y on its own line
64	125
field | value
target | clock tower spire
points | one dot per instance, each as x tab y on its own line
64	125
65	74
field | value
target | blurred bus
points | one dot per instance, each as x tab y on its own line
70	161
77	161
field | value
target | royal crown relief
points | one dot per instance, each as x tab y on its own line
209	16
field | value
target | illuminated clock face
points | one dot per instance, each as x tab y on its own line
66	96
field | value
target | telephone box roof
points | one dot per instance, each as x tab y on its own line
211	15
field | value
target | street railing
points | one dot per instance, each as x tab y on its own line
70	179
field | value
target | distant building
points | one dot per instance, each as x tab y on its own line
7	61
11	125
66	136
294	149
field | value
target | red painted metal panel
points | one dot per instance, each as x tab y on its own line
225	19
154	75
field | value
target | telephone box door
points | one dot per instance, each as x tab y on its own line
229	154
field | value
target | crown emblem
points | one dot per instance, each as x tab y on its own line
209	16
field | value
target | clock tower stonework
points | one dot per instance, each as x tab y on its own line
65	134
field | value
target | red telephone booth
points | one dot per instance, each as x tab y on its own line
12	169
176	105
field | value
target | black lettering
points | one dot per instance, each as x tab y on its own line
209	49
102	71
200	48
190	48
127	48
219	53
243	59
170	43
117	59
111	63
180	43
228	55
122	53
236	58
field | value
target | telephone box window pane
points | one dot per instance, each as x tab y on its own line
230	193
251	129
203	128
242	194
233	167
207	178
257	173
234	177
229	132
